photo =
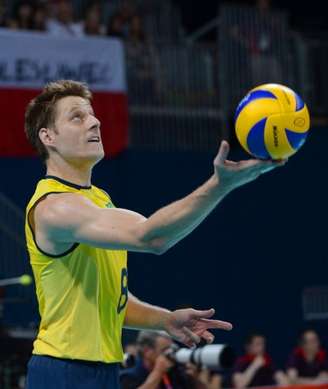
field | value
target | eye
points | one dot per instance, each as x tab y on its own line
77	117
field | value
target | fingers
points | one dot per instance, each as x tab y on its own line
194	337
217	324
259	166
191	339
222	154
255	164
208	337
267	167
205	314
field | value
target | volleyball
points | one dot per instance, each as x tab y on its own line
272	122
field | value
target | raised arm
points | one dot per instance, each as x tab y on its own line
70	218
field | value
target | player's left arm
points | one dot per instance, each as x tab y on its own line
141	315
188	326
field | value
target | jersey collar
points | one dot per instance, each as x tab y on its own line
68	183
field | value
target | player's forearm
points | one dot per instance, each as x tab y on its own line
140	315
172	223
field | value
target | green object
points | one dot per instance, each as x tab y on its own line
25	280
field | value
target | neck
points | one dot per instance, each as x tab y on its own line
310	355
80	175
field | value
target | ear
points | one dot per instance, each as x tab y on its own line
47	136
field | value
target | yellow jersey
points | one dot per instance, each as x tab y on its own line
82	293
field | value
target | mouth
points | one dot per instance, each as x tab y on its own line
94	139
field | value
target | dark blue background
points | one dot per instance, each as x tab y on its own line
250	259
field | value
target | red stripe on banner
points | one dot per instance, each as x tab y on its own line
110	108
112	111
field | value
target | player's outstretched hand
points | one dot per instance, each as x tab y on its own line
190	326
232	174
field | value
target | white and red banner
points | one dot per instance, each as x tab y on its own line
29	60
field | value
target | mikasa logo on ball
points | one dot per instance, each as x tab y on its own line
299	122
275	136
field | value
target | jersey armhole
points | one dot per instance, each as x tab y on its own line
104	192
29	222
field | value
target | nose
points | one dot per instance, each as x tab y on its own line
94	123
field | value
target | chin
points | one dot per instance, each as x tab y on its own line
95	158
96	155
89	160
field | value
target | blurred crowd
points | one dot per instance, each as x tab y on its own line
154	71
149	365
58	18
151	362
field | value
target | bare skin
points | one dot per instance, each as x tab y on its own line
74	146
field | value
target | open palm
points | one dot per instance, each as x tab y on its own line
233	174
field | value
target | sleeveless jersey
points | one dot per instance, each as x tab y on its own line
82	293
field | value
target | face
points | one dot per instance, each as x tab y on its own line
76	134
25	11
117	24
263	5
257	346
65	11
93	19
311	342
40	16
135	23
162	344
151	354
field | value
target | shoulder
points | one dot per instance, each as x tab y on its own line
322	357
101	193
58	208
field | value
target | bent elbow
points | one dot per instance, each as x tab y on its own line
157	246
153	245
161	250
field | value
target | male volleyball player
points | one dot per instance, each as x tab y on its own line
78	243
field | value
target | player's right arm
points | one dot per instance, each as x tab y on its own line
59	220
67	218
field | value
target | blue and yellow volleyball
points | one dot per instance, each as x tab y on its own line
272	122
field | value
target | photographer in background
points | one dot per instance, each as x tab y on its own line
209	379
154	370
